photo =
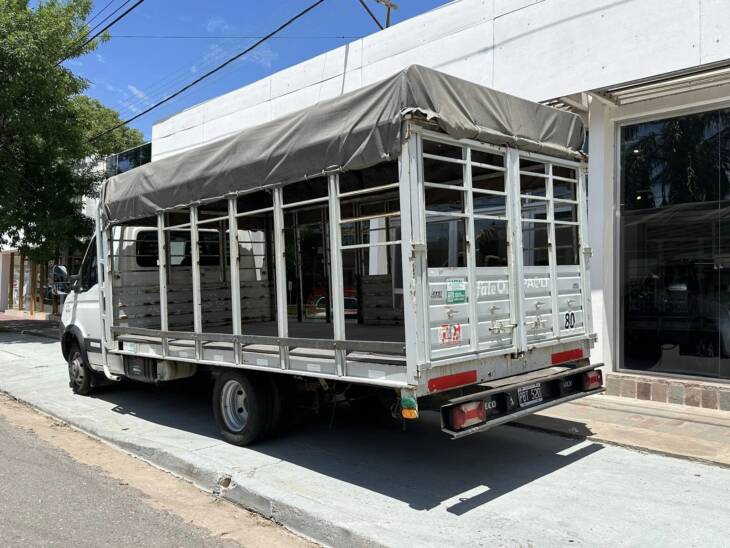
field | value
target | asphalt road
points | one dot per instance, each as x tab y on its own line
369	484
49	499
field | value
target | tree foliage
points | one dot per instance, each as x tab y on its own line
48	160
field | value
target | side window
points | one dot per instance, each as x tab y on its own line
147	248
88	267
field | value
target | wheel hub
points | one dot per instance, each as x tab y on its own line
234	406
76	370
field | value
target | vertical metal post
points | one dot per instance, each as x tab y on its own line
338	293
584	250
280	263
162	269
471	267
21	284
413	249
517	269
552	252
235	274
11	279
104	289
195	267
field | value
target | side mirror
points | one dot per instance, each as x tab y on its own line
75	280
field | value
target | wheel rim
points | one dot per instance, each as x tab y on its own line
234	406
76	370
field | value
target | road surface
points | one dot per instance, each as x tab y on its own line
49	498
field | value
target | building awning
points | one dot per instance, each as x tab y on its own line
697	78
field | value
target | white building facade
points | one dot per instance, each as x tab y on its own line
651	79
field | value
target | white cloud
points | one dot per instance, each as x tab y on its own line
132	107
262	55
139	94
75	63
100	58
193	69
112	88
218	24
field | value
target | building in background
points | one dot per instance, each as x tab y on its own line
651	79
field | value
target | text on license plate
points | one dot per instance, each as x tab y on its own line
529	395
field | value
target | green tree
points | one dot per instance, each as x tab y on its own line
47	159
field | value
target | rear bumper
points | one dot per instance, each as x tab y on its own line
502	402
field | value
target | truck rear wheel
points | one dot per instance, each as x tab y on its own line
240	407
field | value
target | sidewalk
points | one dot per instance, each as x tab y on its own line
29	326
361	484
679	431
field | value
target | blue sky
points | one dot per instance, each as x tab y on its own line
137	67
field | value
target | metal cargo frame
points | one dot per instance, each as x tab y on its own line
421	365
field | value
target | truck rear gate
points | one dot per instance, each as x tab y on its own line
424	241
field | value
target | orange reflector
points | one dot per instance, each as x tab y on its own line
409	413
567	356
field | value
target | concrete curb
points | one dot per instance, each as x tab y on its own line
297	515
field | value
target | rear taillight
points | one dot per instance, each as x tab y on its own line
592	379
468	414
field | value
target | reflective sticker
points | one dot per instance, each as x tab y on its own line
455	290
450	333
315	367
262	361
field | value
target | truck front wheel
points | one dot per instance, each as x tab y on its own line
81	376
240	407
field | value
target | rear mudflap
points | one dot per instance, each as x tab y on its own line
517	397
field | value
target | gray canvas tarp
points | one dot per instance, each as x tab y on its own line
353	131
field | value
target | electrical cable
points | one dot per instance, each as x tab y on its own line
371	14
98	13
212	71
108	26
209	37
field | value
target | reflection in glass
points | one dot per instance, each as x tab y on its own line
675	193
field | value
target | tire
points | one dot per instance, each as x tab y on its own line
240	407
81	378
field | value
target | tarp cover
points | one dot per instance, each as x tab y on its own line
353	131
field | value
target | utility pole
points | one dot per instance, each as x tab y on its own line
388	7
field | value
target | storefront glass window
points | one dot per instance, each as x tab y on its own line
675	245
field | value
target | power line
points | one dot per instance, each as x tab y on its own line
98	13
89	31
212	71
371	14
108	26
213	37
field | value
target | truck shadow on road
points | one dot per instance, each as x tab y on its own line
419	466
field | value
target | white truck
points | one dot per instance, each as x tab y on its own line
420	241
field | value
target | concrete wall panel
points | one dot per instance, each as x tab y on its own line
559	47
466	54
714	30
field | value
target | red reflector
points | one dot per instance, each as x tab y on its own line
592	379
468	414
452	381
567	356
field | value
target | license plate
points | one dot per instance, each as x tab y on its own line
529	395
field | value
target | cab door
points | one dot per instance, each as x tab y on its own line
82	305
